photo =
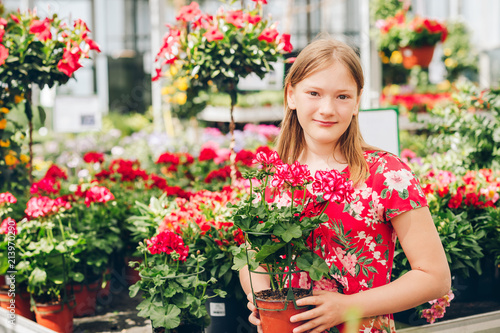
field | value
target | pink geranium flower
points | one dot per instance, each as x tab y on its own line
7	198
98	194
188	13
213	33
269	35
333	186
168	242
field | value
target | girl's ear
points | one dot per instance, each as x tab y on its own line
290	98
356	110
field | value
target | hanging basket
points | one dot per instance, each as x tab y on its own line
421	56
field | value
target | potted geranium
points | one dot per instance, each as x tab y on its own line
34	51
279	218
219	50
415	37
174	295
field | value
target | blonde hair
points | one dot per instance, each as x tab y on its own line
315	57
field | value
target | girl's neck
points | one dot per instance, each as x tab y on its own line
323	160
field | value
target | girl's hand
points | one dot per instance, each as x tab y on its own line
328	311
254	315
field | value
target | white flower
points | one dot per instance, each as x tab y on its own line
398	180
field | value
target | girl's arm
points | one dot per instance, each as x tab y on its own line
259	282
428	279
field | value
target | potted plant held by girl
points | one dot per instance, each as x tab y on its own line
174	295
279	218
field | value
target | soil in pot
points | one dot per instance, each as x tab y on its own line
180	329
275	311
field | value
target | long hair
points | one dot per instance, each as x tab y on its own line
315	57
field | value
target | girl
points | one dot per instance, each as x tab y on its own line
320	129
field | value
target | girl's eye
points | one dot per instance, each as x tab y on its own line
343	97
313	93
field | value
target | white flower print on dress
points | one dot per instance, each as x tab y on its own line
398	180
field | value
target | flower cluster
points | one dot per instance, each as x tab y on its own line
401	31
218	50
97	194
438	308
7	198
45	206
476	189
168	242
93	157
8	225
280	214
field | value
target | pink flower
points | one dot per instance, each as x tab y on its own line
8	222
213	33
285	44
4	53
334	187
7	197
46	185
188	13
235	17
69	62
98	194
41	29
168	242
45	206
269	35
92	44
252	19
14	18
260	2
267	158
295	175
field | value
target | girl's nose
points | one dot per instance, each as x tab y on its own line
327	107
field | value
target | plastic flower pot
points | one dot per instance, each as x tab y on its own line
85	298
275	315
421	56
21	304
56	316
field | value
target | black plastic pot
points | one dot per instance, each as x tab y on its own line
228	315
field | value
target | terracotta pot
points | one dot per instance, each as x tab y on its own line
21	305
85	298
421	56
277	319
57	317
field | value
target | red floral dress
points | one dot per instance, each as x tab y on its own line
358	241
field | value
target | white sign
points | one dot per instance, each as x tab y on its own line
73	114
217	309
380	128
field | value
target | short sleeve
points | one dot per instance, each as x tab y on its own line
396	186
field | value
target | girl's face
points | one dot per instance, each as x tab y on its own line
325	103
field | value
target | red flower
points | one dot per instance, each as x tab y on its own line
471	199
260	1
252	19
41	29
203	21
168	158
4	227
168	242
213	33
245	156
93	157
4	53
285	42
46	185
69	62
98	194
207	154
269	35
334	187
455	201
236	18
239	236
188	13
7	197
55	172
158	182
221	174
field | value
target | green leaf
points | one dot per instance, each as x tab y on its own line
168	317
134	289
268	250
37	277
78	277
42	114
313	264
287	231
